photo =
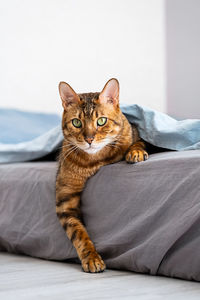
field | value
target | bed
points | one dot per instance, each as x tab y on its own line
143	218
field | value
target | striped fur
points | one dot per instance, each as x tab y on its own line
76	165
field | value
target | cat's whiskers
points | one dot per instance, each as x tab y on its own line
67	156
68	145
68	149
67	153
62	157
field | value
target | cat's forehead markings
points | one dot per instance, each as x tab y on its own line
89	107
88	103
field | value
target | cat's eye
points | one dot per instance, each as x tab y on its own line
101	121
77	123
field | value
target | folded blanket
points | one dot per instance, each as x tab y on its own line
154	127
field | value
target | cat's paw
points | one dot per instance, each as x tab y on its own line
93	263
134	156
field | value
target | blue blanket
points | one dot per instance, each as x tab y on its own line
33	136
21	126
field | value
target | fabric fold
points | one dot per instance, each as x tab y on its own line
154	127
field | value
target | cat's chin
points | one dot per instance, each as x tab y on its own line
92	150
96	147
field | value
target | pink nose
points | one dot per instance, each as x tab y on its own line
89	139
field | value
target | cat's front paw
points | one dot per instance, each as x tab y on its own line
93	263
134	156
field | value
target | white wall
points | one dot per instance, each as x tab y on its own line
84	43
183	58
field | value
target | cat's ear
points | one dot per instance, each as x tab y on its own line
67	95
110	92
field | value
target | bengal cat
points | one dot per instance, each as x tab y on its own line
96	133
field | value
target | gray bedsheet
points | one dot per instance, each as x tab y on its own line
143	217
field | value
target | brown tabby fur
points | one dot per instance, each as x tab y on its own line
76	165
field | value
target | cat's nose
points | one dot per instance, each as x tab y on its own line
89	139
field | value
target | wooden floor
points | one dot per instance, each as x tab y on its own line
26	278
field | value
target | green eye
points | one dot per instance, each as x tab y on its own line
77	123
101	121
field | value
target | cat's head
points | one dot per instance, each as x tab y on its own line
91	121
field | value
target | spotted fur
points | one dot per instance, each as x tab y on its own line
78	160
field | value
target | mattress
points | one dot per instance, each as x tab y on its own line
143	217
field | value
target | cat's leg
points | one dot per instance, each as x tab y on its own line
68	212
136	153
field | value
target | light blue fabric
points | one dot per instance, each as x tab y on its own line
21	126
156	128
27	135
163	131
